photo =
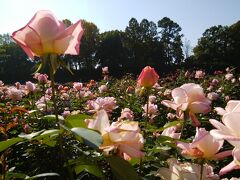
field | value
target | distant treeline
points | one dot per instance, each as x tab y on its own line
142	43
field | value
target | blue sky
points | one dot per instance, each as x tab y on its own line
194	16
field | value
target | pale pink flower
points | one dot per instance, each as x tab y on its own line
229	130
187	74
31	87
227	98
43	103
233	80
234	164
171	116
189	97
213	96
220	89
66	113
1	83
45	34
232	106
152	110
103	88
77	86
49	91
210	88
42	78
152	99
126	114
121	135
171	132
214	82
199	74
185	171
204	145
167	92
228	69
14	94
65	96
106	103
105	70
229	76
157	86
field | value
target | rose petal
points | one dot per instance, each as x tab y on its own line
166	174
180	96
229	168
232	121
233	106
69	41
29	41
220	111
199	107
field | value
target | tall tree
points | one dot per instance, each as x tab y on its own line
88	46
142	41
111	51
170	36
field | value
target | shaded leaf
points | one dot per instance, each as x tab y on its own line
8	143
42	175
90	137
121	169
92	169
76	120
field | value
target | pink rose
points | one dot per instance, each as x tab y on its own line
204	145
77	86
121	135
105	70
232	106
103	88
31	87
45	34
187	171
234	164
213	96
189	97
199	74
148	77
229	129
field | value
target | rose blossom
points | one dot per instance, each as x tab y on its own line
213	96
189	97
228	76
103	88
199	74
121	135
44	34
148	77
186	171
232	106
204	145
106	103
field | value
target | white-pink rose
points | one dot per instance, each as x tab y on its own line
45	34
121	135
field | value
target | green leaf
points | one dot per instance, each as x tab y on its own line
54	63
76	120
42	175
92	169
173	123
12	175
90	137
52	117
121	169
30	136
65	66
8	143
